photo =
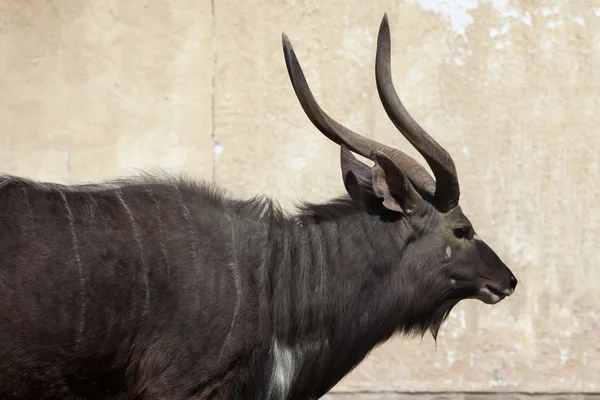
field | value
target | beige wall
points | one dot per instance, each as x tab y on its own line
98	89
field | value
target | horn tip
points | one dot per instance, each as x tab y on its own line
288	50
384	20
285	40
383	36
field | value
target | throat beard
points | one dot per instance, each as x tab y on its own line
439	315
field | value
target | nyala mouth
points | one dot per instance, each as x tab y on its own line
490	294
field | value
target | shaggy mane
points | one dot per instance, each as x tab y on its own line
258	207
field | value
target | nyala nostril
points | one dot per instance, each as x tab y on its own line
513	281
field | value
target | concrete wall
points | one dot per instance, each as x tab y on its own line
92	90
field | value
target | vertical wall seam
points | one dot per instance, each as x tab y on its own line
213	95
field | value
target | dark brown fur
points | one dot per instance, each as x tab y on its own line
350	273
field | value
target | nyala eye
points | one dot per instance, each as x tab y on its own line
462	232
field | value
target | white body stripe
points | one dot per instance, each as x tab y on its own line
138	239
161	233
82	280
233	266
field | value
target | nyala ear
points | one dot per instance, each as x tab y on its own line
356	175
393	186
